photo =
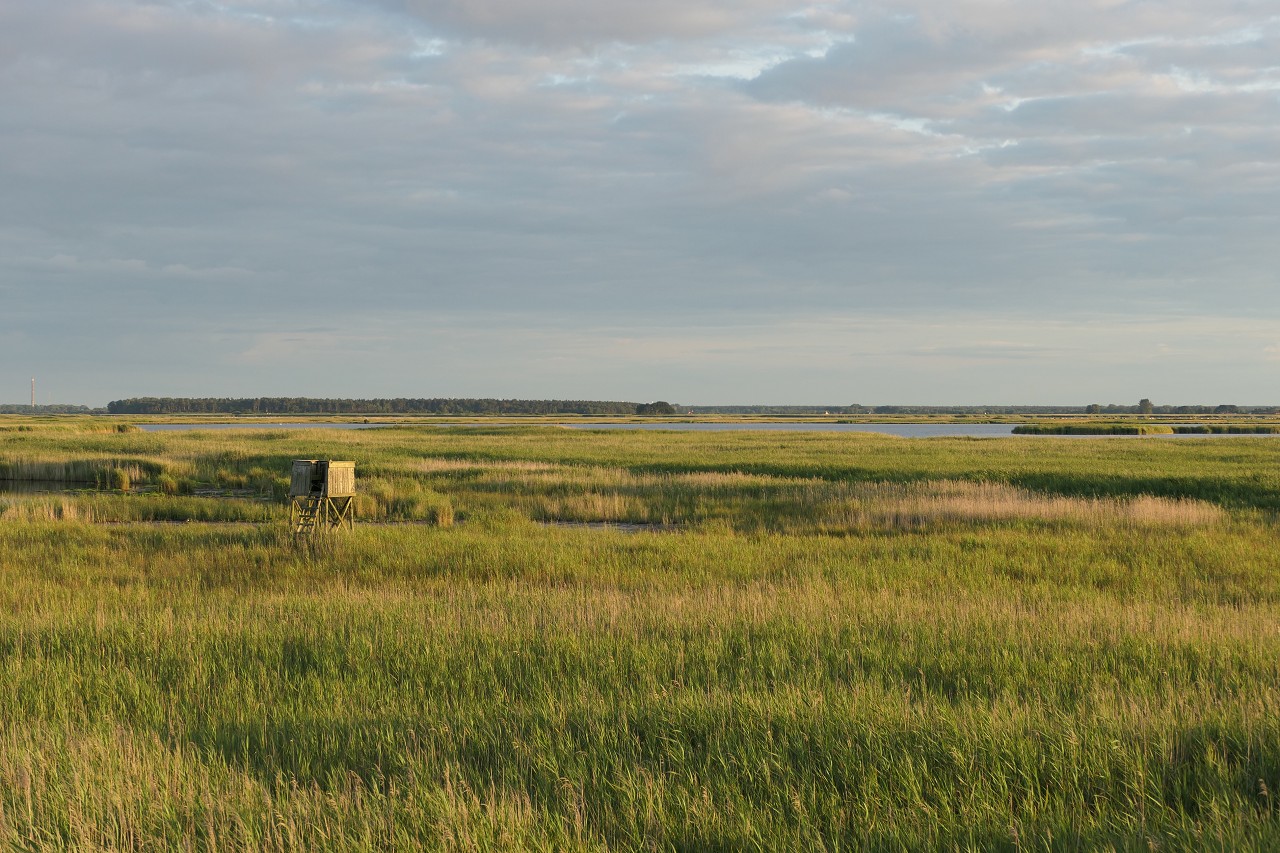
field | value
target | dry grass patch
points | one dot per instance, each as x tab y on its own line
725	480
917	505
593	506
70	471
45	508
435	465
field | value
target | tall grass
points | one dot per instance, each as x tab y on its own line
872	644
1228	429
109	473
1094	429
929	504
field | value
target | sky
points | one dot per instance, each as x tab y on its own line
701	201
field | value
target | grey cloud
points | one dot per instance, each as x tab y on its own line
237	174
991	351
931	60
584	23
1132	114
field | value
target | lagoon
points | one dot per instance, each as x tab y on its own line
254	425
903	430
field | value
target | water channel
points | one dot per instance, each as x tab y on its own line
256	425
902	430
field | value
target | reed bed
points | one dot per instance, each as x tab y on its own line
872	644
930	504
1228	429
109	473
1094	429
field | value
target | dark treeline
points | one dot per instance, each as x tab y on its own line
490	406
856	409
45	409
1220	409
328	406
1091	409
766	410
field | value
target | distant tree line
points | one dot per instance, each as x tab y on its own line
1143	407
1146	407
858	409
46	409
343	406
490	406
661	407
780	411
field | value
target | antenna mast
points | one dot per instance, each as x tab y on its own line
33	392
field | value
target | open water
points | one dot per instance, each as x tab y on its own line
902	430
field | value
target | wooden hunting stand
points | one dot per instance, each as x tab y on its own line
321	494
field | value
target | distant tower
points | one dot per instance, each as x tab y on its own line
33	392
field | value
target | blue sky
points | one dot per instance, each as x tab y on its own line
970	201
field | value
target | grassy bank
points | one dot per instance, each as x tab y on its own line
1145	429
1094	429
1228	429
848	642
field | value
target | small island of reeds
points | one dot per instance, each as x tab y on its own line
1130	428
1093	429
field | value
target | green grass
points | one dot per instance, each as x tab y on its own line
1058	428
843	642
1097	429
1228	429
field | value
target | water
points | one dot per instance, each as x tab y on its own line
901	430
253	425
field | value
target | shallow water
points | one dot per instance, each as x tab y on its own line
254	425
900	429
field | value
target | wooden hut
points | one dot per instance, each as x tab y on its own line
321	494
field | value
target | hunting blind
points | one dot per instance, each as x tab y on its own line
321	494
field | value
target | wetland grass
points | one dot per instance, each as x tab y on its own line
849	642
1094	429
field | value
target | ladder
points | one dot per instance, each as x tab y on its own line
306	515
312	513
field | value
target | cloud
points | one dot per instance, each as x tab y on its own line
300	347
584	23
265	167
989	351
1045	66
